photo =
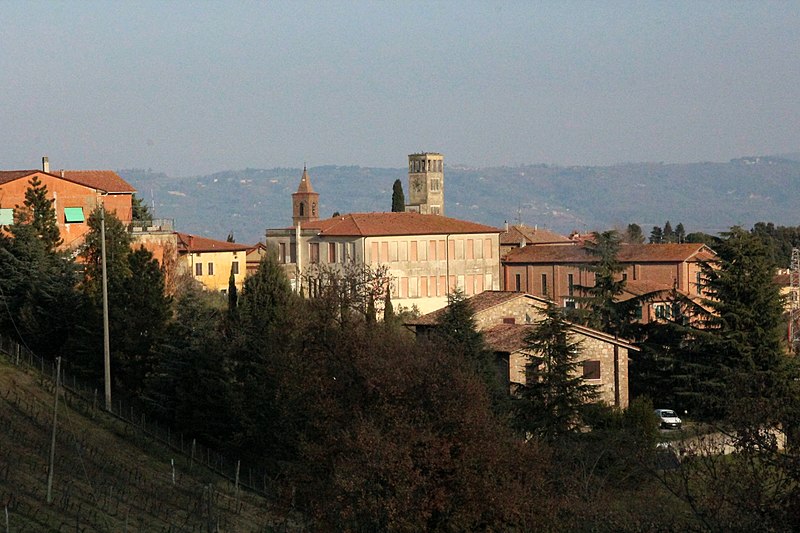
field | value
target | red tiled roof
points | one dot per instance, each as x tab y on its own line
628	253
194	244
386	224
7	176
103	180
479	302
509	338
516	234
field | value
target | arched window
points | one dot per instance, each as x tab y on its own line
301	210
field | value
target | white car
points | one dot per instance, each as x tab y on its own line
668	419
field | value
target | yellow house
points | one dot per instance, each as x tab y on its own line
211	262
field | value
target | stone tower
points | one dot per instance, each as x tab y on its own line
426	183
305	202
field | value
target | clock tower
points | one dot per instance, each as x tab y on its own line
305	202
426	183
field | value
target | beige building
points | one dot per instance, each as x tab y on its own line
505	319
427	256
211	262
426	183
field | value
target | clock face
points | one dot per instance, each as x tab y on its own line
417	184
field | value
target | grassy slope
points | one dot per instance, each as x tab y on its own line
106	477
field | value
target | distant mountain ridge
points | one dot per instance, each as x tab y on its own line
708	197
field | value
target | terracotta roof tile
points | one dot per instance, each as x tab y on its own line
479	302
380	224
628	253
509	338
195	244
7	176
517	233
104	180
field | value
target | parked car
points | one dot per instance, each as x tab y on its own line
668	419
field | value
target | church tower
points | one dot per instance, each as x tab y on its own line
426	183
305	202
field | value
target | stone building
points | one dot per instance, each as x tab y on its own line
426	183
427	256
505	319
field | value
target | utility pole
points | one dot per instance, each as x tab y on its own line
53	438
106	344
794	296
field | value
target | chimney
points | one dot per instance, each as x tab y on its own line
506	226
45	164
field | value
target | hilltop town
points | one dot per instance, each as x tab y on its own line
407	370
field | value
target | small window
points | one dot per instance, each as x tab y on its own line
313	252
637	313
198	269
211	269
6	216
569	303
331	252
591	370
282	253
73	214
235	267
544	284
518	282
571	286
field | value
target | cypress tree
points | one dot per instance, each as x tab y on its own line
398	198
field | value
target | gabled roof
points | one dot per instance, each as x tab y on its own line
479	302
388	224
628	253
103	180
193	244
519	233
7	176
510	338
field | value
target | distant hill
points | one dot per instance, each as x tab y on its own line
708	197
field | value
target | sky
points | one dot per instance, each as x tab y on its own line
192	88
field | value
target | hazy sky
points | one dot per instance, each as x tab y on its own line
199	87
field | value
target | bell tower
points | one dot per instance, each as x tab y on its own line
305	202
426	183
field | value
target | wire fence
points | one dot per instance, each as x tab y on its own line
78	394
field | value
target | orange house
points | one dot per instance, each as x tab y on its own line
76	193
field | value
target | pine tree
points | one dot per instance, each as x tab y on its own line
600	300
680	233
633	234
550	403
656	235
398	198
741	348
458	333
139	210
38	210
668	234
